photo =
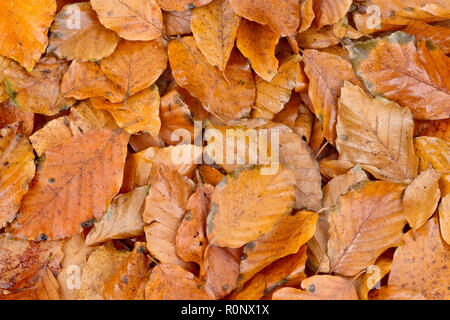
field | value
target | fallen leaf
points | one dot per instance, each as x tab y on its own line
420	265
10	114
327	74
433	128
54	133
330	11
286	237
421	198
135	65
439	35
321	287
377	134
24	29
272	96
139	113
16	171
214	27
191	241
232	221
124	284
86	80
102	264
181	5
365	222
258	43
122	220
38	91
231	97
131	19
72	31
332	191
171	282
164	210
281	16
88	166
444	218
177	23
18	258
413	76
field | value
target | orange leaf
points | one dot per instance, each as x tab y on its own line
88	166
181	5
420	267
23	29
439	35
10	113
171	282
233	222
282	16
135	65
214	28
16	171
231	97
365	222
74	30
330	11
131	19
414	77
258	43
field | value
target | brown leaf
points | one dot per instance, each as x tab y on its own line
102	264
131	19
332	191
287	236
439	35
19	258
88	166
54	133
214	28
421	198
171	282
420	267
86	80
16	171
23	29
365	222
330	11
165	207
417	77
177	23
122	220
139	113
38	91
327	74
281	16
124	284
323	287
181	5
258	43
444	218
135	65
10	114
191	241
232	220
73	32
231	97
433	128
377	134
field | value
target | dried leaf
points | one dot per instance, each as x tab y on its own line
214	28
377	134
131	19
23	29
16	171
122	220
327	74
135	65
231	97
417	77
102	264
330	11
88	166
258	43
365	222
232	221
420	266
421	198
439	35
181	5
10	114
73	31
281	16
